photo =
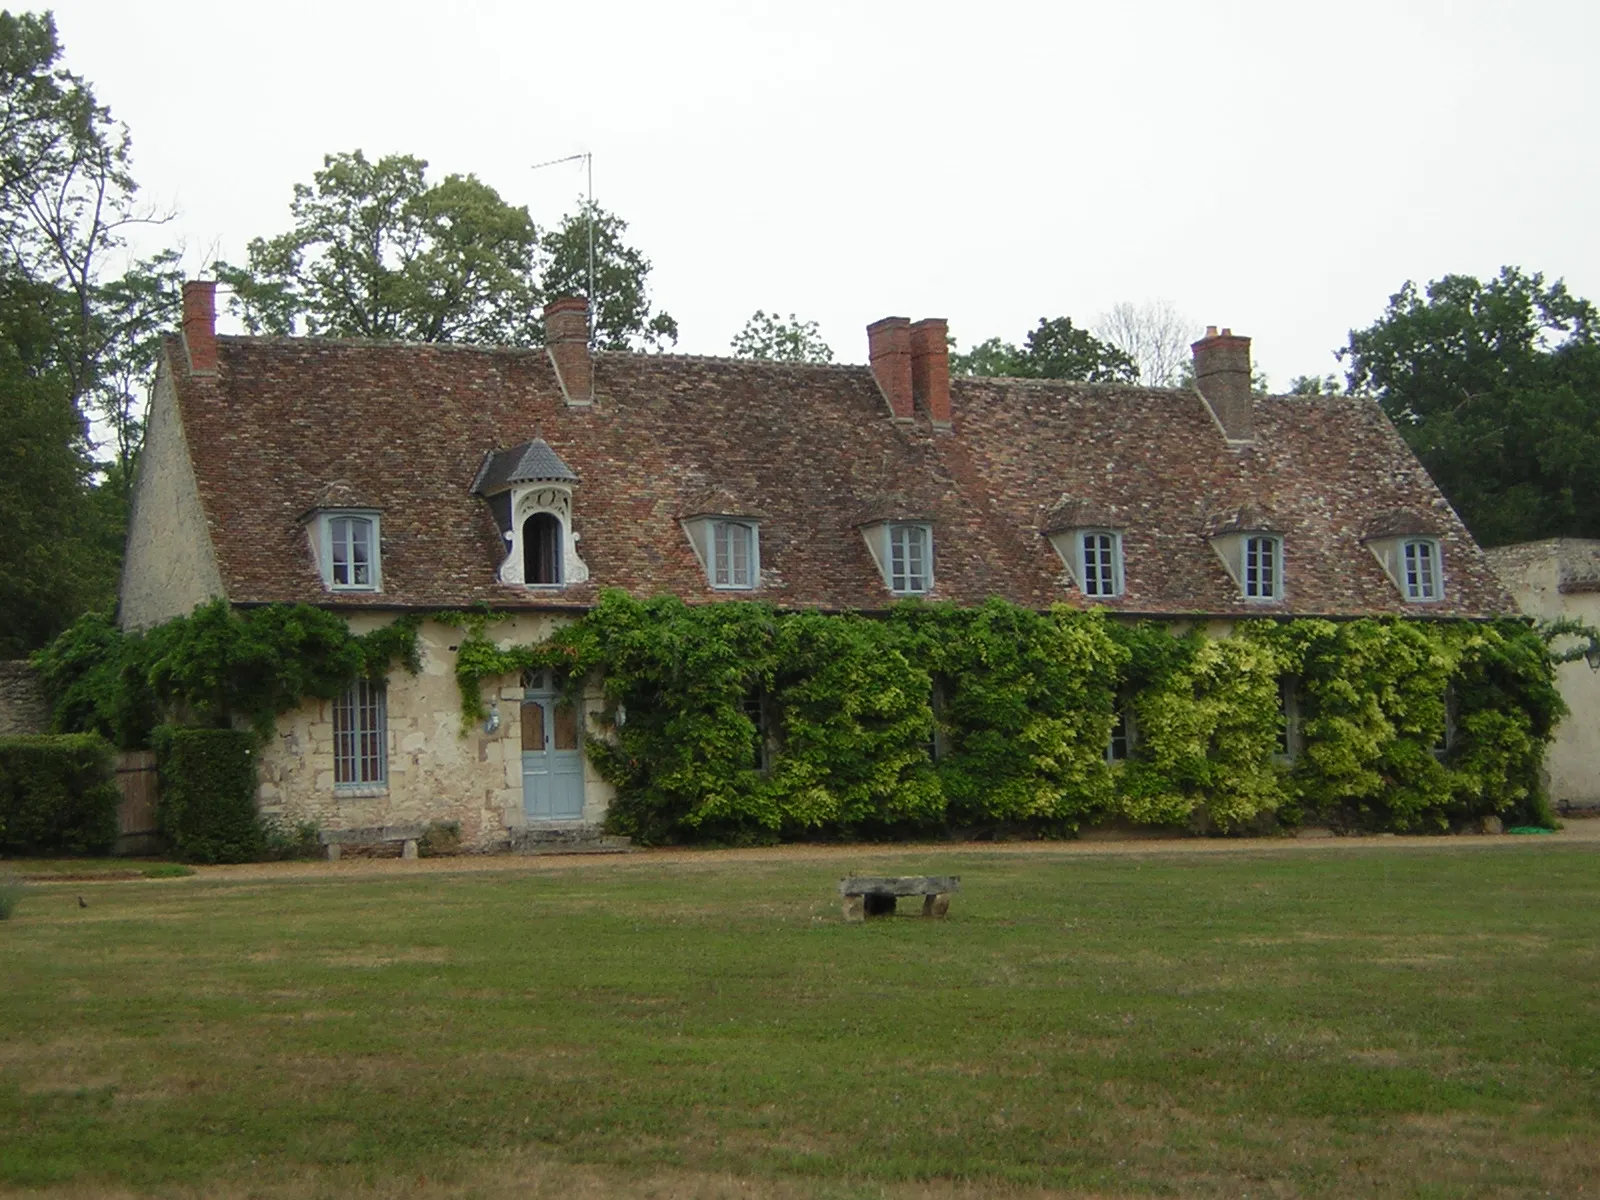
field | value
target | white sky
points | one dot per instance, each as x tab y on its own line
1278	167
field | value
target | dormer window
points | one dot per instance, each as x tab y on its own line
729	549
541	550
529	491
348	546
1420	558
910	558
1411	556
903	552
1255	560
1100	558
1263	569
733	555
1087	536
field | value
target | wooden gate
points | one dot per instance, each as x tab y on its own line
136	814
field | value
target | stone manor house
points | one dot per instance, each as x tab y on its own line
375	479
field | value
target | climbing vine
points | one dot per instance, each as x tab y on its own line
737	722
213	667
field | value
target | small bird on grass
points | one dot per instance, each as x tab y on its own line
82	903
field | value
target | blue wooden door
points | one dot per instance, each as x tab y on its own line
552	761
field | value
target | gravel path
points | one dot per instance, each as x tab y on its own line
857	855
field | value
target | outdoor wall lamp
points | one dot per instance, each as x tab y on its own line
492	722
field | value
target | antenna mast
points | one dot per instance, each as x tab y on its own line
587	158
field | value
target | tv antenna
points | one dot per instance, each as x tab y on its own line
587	159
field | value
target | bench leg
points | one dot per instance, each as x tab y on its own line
333	851
935	906
409	850
854	910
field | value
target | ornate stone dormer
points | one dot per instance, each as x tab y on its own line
529	491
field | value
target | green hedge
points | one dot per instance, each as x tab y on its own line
207	808
58	795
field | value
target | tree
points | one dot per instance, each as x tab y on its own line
377	251
621	310
67	198
1055	350
1496	386
1315	385
56	564
767	335
1155	336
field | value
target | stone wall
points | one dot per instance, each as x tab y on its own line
435	772
1555	578
170	565
22	703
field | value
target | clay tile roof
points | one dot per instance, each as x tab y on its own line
531	462
338	493
1249	517
1069	513
717	502
417	430
1403	522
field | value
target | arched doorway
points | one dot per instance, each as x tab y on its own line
541	549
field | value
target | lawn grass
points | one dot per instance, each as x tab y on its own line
1384	1022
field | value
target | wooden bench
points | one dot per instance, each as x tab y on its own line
875	895
406	835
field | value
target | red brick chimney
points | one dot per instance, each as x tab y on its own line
930	368
1222	373
889	352
566	339
200	325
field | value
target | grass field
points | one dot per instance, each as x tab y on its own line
1373	1022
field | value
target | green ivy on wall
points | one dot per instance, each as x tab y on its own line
939	717
211	668
736	721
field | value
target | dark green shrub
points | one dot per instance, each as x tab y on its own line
440	839
58	795
282	840
208	793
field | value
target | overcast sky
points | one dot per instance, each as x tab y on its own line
1280	168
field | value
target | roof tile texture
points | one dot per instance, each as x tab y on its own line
813	450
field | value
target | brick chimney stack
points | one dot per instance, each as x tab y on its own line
930	368
566	340
200	325
889	352
1222	374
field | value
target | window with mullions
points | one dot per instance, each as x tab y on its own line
910	555
1263	568
1288	747
755	711
733	555
1100	563
350	553
1122	737
360	735
1420	569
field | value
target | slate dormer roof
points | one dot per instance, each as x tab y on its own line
415	430
531	462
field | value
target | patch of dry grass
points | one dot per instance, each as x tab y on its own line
1381	1024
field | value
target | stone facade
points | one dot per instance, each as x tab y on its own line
1560	577
170	565
22	703
435	771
